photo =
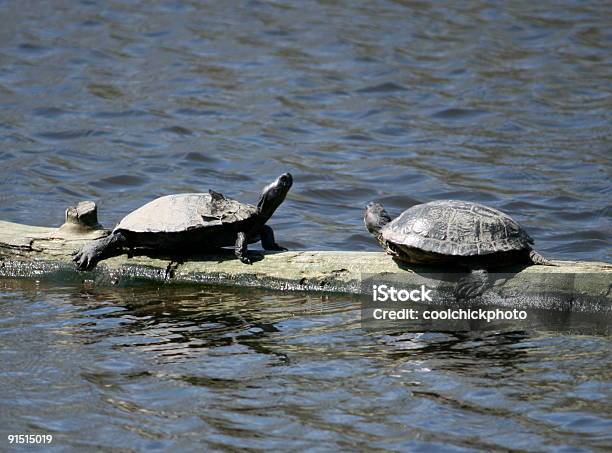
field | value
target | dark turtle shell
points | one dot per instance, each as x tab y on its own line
185	212
459	228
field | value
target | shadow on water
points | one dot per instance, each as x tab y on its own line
184	319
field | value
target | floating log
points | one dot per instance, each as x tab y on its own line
42	253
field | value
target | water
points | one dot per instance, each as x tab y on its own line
402	102
510	106
198	369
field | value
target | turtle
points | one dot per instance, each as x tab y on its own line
457	233
192	222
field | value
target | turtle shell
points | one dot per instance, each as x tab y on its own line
184	212
460	228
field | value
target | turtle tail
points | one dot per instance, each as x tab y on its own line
536	258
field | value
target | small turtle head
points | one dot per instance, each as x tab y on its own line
274	194
375	217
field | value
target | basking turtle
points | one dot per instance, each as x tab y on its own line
451	232
192	221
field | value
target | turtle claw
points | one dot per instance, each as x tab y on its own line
246	260
275	248
471	285
83	259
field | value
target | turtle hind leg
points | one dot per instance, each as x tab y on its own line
536	258
91	253
471	285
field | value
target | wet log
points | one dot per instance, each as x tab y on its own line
42	253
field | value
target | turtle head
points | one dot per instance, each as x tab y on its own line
273	195
375	217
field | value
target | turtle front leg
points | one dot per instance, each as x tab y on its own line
472	285
241	250
267	239
89	254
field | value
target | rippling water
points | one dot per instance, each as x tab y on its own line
192	369
508	104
